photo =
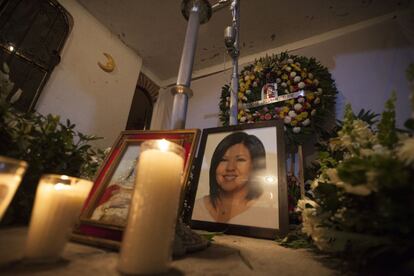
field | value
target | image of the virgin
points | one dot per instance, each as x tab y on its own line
113	205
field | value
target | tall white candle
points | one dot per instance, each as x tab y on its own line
147	242
59	199
11	173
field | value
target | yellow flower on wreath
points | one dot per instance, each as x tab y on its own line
241	114
258	68
310	96
242	88
303	115
297	68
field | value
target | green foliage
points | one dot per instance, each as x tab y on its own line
360	203
367	116
296	239
387	133
224	106
209	235
409	124
48	145
353	170
294	194
410	72
348	119
328	158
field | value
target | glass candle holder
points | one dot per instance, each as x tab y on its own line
58	202
147	242
11	173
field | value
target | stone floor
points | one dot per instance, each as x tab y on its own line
227	255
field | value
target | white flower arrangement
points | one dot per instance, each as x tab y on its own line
306	122
297	107
292	114
405	151
287	120
364	176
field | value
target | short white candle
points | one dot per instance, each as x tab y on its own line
58	202
11	173
147	241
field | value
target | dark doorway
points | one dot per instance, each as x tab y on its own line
140	112
146	94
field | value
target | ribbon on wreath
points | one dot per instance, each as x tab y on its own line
280	98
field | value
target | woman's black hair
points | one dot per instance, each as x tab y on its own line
257	153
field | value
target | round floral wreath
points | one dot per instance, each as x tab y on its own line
302	115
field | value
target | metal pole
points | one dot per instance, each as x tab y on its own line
179	111
235	9
196	11
190	43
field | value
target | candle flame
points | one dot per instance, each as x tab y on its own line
163	145
61	187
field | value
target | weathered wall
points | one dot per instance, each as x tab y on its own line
96	101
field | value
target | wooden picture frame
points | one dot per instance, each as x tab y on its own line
258	196
105	211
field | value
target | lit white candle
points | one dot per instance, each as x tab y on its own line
59	199
147	242
11	173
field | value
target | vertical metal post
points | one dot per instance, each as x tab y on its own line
179	110
234	89
190	43
197	12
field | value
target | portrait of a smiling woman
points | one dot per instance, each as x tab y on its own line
237	189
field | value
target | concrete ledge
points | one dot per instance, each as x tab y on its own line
227	255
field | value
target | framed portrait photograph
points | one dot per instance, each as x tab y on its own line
241	181
104	215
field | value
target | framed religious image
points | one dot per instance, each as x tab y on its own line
105	212
241	181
